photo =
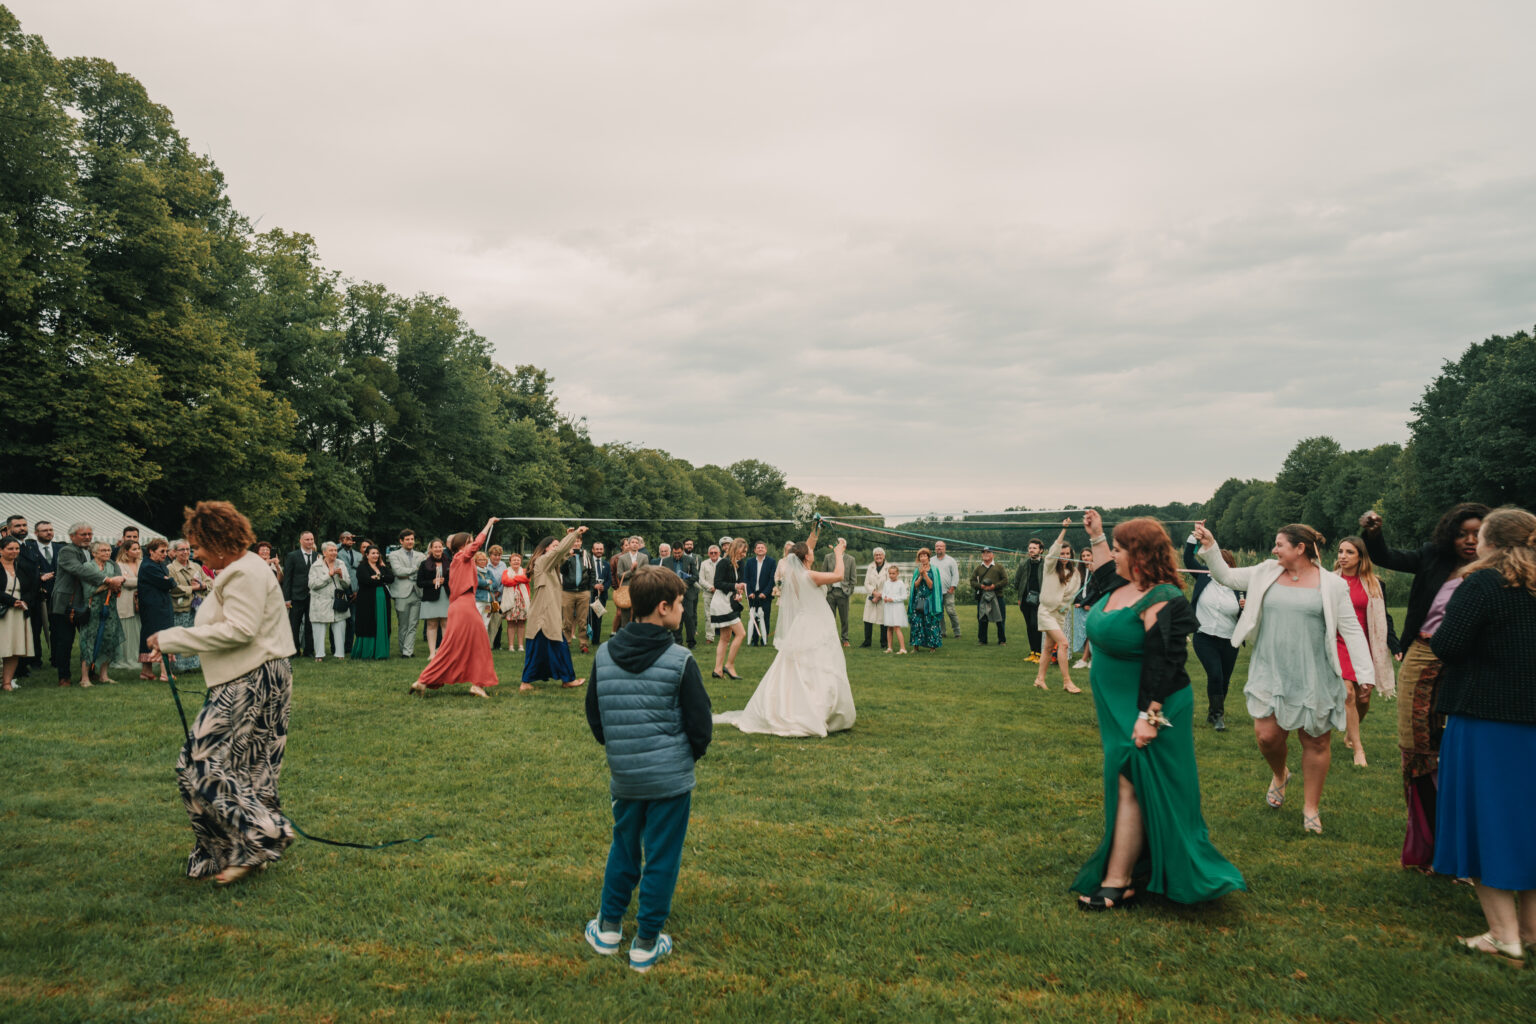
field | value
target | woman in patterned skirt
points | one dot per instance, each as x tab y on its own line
229	767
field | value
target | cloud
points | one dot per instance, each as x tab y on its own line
930	257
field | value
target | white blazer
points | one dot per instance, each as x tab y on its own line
1338	610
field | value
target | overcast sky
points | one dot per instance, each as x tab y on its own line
924	256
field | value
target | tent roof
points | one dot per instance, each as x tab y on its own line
64	509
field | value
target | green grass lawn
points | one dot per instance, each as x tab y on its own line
913	869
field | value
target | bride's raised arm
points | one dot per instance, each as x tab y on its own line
822	579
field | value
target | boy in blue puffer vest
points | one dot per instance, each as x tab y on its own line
647	706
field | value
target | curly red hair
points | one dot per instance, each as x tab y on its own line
1148	550
218	526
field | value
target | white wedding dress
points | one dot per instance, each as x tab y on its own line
805	691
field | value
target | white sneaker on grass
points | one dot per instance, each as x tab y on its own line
643	960
1079	663
603	942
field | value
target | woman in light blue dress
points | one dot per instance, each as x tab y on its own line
1296	612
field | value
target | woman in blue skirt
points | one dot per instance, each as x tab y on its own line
1484	827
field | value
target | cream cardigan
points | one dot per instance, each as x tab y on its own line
241	625
1338	610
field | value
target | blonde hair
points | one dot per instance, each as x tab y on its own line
1511	532
738	549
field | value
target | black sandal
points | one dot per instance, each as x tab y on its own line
1108	898
734	676
716	675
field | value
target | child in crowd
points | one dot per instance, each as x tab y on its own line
893	598
647	705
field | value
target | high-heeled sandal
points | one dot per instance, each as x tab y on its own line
717	675
732	675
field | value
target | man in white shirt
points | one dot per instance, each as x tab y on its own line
404	561
949	579
707	585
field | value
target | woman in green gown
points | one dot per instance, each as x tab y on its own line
1154	834
103	632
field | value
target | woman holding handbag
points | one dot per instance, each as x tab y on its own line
330	593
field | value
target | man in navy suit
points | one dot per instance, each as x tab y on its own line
602	579
41	554
757	573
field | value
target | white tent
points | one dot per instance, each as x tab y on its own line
63	510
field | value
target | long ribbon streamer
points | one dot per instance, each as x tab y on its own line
187	732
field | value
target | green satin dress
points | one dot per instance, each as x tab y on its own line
1177	859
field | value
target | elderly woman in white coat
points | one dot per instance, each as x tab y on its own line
1296	613
874	615
328	579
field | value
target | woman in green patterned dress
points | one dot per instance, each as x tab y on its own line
103	634
1154	834
926	607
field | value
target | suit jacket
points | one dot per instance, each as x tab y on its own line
602	575
844	586
155	586
296	574
404	564
684	567
628	562
77	576
757	574
32	555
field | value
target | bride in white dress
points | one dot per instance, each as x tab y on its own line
805	691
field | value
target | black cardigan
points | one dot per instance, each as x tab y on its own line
427	573
28	587
1165	649
1430	567
1488	645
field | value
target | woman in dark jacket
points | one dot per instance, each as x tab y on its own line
1418	725
371	631
1487	642
18	596
155	612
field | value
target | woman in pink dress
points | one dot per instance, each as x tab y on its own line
464	654
1354	564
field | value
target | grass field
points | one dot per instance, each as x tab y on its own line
913	869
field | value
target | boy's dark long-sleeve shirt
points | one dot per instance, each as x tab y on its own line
634	648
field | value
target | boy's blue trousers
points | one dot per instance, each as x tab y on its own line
657	827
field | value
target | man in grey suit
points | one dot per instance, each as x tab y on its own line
77	577
404	561
628	560
839	592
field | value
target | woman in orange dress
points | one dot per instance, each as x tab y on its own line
464	654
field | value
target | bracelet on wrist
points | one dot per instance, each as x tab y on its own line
1094	542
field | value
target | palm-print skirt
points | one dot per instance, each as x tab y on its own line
228	772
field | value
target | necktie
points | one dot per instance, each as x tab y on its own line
578	570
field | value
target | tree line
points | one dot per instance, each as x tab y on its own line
158	349
1472	437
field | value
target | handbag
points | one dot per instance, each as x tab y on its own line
621	593
340	601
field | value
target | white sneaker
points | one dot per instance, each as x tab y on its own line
606	943
643	960
1079	663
